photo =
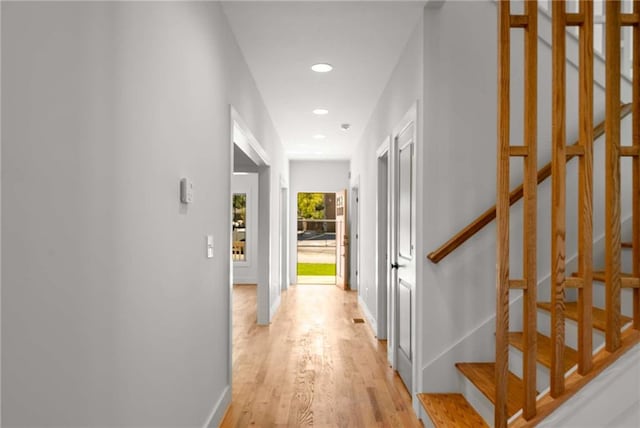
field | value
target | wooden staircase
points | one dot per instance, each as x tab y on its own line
453	410
564	343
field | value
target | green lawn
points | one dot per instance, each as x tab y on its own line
316	269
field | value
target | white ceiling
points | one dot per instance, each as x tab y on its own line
281	40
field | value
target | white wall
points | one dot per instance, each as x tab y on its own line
311	176
111	314
402	91
459	180
246	272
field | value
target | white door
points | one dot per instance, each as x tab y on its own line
403	252
342	241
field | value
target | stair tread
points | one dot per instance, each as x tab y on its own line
599	316
451	410
628	279
543	356
483	377
627	245
598	275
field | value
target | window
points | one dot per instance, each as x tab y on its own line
238	250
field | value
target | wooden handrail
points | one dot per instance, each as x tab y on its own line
516	194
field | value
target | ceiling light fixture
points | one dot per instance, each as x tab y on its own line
322	67
320	111
319	137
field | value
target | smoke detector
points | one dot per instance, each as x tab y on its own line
345	126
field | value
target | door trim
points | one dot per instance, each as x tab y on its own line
284	235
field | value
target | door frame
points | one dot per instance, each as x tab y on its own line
354	233
411	116
284	235
242	137
383	230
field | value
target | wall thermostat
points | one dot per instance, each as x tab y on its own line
186	191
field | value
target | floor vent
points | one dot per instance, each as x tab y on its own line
358	321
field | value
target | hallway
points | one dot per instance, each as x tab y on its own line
312	366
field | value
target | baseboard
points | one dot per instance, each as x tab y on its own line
220	409
274	307
239	279
372	321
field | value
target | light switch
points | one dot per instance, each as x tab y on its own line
209	246
186	191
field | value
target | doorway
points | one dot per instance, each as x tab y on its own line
250	214
316	238
383	231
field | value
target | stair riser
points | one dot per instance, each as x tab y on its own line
627	260
570	331
626	299
426	421
515	366
477	399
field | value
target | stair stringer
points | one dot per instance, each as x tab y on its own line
611	399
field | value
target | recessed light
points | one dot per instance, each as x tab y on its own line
319	137
322	68
320	111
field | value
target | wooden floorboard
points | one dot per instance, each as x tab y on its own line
451	410
312	366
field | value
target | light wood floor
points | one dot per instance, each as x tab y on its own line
312	366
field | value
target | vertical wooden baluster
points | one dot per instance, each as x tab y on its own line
558	198
530	185
585	191
502	216
625	44
612	176
636	165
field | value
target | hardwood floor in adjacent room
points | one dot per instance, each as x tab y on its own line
313	366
